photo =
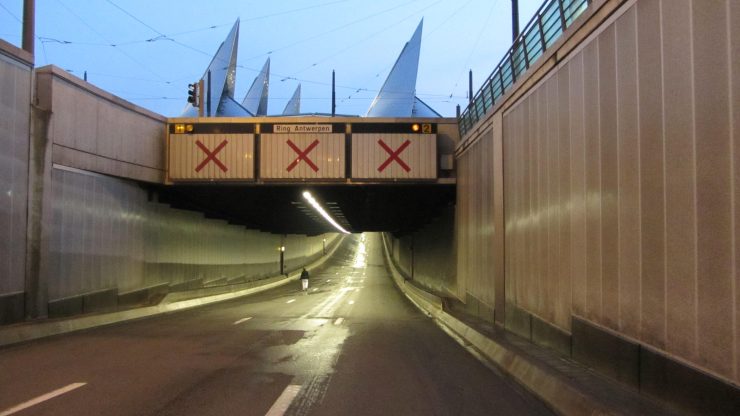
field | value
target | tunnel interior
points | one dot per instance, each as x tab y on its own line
281	209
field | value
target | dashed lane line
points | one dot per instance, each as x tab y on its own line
283	402
242	320
41	399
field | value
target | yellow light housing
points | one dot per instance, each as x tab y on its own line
179	128
189	128
415	127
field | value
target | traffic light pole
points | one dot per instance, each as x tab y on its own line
200	97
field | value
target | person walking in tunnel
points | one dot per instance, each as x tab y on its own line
304	279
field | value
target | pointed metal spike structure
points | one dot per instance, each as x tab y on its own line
256	99
294	105
223	78
396	97
422	109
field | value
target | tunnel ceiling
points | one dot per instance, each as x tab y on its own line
281	209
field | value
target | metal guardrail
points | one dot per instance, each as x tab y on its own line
550	21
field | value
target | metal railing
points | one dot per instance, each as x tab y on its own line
550	21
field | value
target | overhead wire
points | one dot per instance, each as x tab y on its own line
473	48
162	36
142	65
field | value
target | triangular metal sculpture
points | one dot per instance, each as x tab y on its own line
220	96
256	99
293	107
396	97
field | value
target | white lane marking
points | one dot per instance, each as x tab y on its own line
328	280
283	402
242	320
315	289
42	398
339	321
351	302
290	301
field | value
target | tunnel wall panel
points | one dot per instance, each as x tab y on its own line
620	185
15	100
107	234
475	224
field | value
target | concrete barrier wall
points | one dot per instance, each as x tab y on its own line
15	108
94	130
109	233
619	168
427	257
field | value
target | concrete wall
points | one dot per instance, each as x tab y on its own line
15	108
618	168
94	130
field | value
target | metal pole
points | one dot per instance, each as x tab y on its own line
457	111
208	97
29	25
333	94
514	19
470	86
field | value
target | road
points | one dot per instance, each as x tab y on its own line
351	345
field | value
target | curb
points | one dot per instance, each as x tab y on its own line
560	396
25	332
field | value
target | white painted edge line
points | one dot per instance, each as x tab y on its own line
351	302
290	301
41	399
339	321
283	402
242	320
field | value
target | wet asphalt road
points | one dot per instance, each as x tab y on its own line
352	345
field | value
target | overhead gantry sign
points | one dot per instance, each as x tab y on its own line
270	150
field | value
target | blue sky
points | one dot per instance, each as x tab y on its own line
305	40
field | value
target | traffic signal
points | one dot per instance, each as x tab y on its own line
193	94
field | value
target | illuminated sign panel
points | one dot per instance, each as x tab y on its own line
198	157
394	156
304	156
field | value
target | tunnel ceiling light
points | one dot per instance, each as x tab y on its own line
311	200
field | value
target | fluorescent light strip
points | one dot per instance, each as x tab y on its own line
321	211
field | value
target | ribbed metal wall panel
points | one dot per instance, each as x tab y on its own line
106	234
380	156
228	156
621	184
15	87
278	157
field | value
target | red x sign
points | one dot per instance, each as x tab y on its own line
303	155
211	156
394	155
